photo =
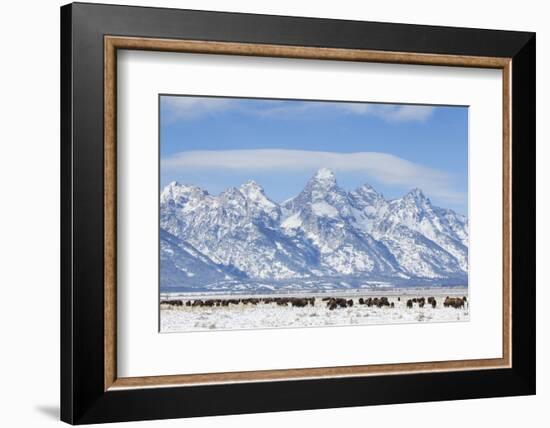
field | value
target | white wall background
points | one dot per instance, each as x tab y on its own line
29	213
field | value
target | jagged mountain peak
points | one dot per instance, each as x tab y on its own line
324	177
255	195
321	188
252	189
416	194
321	197
181	193
367	188
414	207
231	192
367	192
176	185
324	174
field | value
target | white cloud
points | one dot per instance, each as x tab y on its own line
397	113
382	167
188	108
386	112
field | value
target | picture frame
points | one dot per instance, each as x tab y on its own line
91	390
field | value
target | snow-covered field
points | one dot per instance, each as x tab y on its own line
184	318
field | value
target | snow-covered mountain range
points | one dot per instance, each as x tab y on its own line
324	237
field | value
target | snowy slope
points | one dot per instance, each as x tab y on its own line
181	265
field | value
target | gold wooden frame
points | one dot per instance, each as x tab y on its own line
113	43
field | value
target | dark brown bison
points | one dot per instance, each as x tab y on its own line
409	303
172	302
299	303
454	302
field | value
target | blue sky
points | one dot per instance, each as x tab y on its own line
220	142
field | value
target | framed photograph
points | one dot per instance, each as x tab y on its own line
265	213
302	250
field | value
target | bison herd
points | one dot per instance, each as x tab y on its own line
378	302
297	302
332	303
